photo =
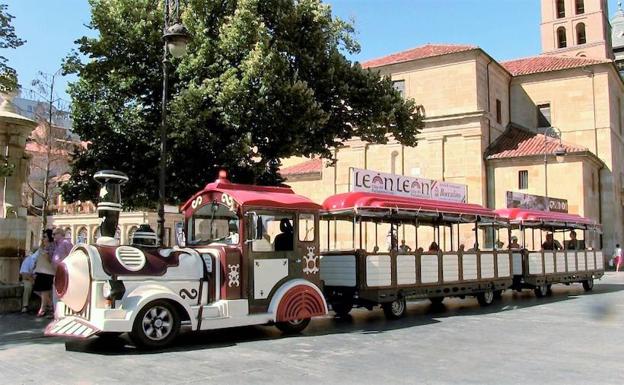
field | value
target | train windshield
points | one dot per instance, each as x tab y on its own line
213	223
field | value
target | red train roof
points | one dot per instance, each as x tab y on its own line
526	215
250	195
366	200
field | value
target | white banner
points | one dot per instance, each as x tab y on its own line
379	182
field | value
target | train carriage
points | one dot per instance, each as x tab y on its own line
537	268
359	277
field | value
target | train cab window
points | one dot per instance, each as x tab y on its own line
306	227
277	233
213	223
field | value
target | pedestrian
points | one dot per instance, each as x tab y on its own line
44	273
617	257
27	272
62	246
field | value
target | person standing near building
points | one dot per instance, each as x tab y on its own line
62	247
27	272
617	257
44	273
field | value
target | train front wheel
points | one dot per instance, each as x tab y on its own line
156	325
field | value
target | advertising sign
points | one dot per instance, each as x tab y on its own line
379	182
536	202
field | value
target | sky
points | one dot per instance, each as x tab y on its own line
506	29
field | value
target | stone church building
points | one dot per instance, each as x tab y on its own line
498	126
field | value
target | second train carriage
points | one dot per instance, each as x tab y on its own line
359	277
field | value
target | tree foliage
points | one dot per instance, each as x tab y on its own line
264	80
8	39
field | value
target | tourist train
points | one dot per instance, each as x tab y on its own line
250	255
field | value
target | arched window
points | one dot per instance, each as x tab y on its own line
393	162
68	233
580	34
96	233
83	236
579	7
560	9
561	38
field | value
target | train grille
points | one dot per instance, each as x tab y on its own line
84	313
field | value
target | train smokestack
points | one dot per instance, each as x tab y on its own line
109	205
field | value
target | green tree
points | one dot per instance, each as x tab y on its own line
8	39
264	80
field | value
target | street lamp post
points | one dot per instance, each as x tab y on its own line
559	153
176	38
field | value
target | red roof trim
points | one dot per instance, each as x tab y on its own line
312	166
251	195
516	142
361	200
547	63
422	52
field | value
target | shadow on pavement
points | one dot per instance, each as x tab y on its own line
362	321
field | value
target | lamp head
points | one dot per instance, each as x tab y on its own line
177	38
560	154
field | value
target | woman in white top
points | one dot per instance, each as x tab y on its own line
44	273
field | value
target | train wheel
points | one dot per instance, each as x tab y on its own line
486	298
549	290
541	291
436	300
156	325
395	309
342	309
498	294
293	326
588	284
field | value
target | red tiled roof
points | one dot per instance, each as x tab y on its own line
421	52
311	166
547	63
516	142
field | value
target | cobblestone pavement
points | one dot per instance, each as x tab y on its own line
569	338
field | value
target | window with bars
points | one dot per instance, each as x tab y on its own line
523	179
499	114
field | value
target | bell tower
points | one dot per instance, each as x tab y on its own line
576	28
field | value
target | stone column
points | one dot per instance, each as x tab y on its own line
14	129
